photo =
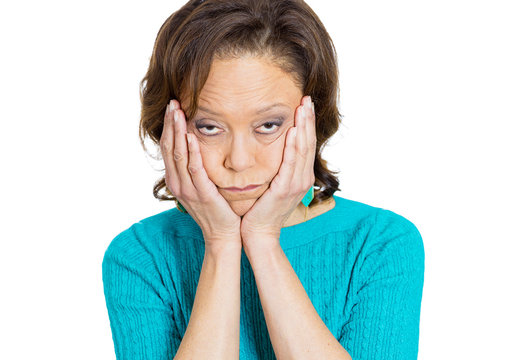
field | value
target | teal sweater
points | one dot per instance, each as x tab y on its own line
361	266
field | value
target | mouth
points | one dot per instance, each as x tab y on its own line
245	189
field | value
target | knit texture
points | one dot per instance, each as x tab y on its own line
361	266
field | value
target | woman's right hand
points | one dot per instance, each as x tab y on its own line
188	181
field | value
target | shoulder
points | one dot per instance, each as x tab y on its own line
390	227
376	228
349	215
392	244
153	236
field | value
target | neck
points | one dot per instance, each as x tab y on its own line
299	215
302	213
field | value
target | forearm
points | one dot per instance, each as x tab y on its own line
296	330
213	328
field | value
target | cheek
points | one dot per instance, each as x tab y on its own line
272	154
210	156
208	153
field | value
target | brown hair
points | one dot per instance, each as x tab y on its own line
287	32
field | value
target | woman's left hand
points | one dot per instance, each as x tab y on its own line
261	225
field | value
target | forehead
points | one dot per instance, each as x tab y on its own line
248	84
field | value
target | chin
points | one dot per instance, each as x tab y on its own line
241	207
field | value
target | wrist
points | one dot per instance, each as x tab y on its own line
260	244
216	246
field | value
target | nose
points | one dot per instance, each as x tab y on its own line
241	154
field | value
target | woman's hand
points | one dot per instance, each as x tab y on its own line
188	181
295	177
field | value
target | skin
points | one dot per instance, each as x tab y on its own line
244	149
240	154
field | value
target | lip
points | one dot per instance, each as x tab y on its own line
248	188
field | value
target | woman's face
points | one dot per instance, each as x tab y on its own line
245	109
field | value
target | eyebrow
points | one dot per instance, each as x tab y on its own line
259	111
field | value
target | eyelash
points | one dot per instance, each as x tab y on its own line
276	123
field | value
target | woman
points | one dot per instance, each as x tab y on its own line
241	96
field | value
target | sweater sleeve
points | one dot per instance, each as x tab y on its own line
139	306
384	320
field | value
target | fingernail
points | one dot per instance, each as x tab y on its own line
309	102
175	116
171	106
189	138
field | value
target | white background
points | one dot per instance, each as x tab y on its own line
431	94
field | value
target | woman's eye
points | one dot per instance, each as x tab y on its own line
209	133
271	126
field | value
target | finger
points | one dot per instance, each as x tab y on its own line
181	152
312	128
287	169
200	179
312	143
167	148
302	150
301	130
